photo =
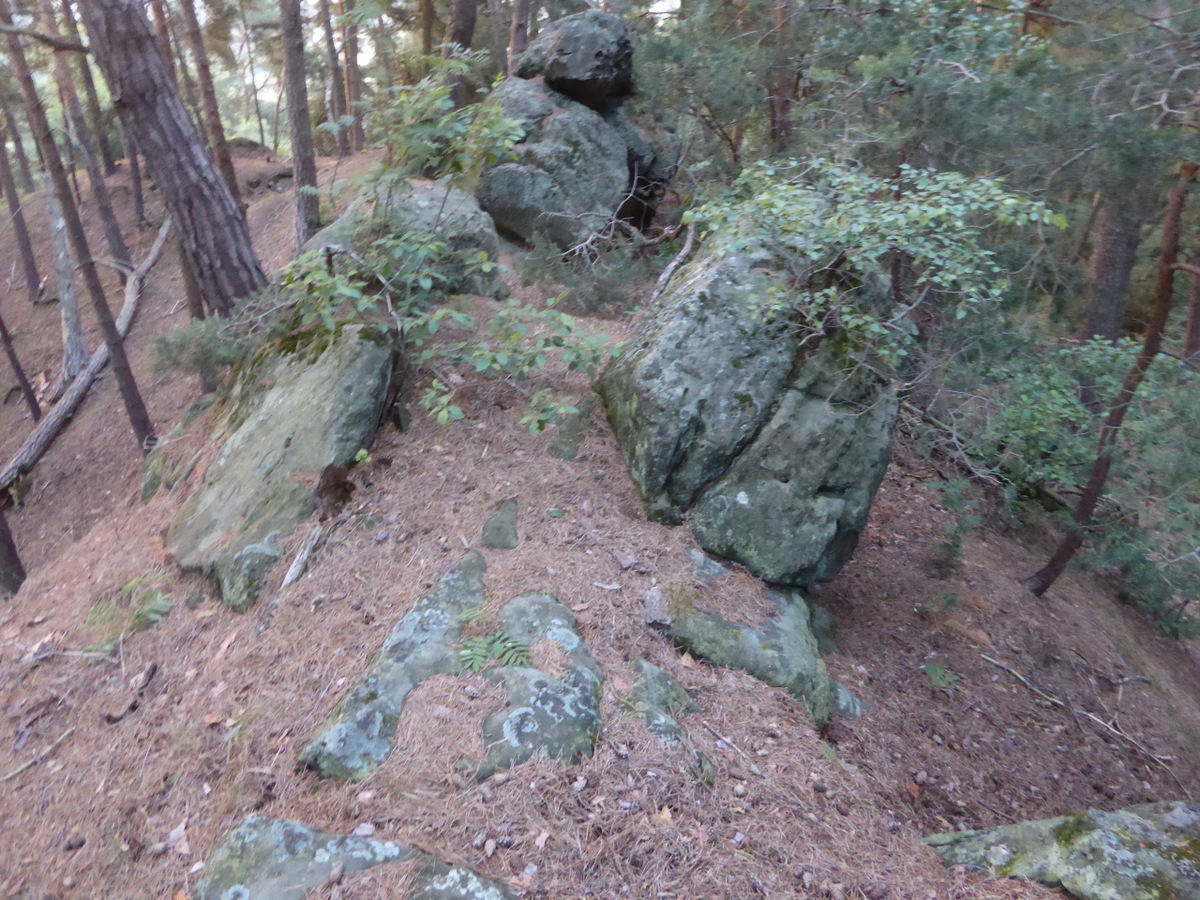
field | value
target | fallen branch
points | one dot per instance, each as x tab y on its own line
669	272
300	563
38	758
43	436
1161	761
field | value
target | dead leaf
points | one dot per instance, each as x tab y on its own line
180	895
663	817
177	839
541	839
914	790
225	646
624	560
213	719
687	661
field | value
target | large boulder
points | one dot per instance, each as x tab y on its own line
587	57
323	405
1146	852
775	449
429	208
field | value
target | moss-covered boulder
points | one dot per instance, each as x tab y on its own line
721	411
427	208
321	405
1148	852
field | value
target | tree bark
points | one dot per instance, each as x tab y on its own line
248	47
304	161
139	418
337	84
73	109
358	138
135	177
14	132
33	279
204	209
12	573
428	20
99	128
459	36
518	38
27	391
1118	232
1163	294
208	101
74	347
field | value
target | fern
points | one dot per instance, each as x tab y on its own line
478	652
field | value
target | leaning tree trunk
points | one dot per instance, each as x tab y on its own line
12	573
1163	294
74	347
23	167
92	98
143	428
337	84
208	100
108	219
358	138
27	391
33	279
304	160
210	221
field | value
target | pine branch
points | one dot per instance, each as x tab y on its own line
53	41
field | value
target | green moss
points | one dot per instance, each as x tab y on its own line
1072	829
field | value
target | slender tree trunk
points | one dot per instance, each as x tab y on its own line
27	391
208	100
428	20
1191	336
74	347
304	161
210	221
353	76
518	38
33	279
337	84
23	166
12	573
68	151
459	37
143	428
1119	224
248	47
135	177
1163	294
73	109
189	84
779	100
162	31
99	128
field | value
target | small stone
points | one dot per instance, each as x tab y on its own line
382	535
489	848
75	840
624	560
739	789
500	532
656	612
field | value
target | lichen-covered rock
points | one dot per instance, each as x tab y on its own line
423	207
587	57
774	449
657	698
500	531
1149	852
783	653
358	736
318	412
570	174
558	716
278	859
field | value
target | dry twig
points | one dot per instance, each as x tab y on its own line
38	758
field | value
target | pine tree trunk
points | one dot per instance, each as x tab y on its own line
74	347
12	573
135	177
518	38
428	20
337	84
162	31
1164	293
248	47
459	37
33	279
190	93
1118	232
143	428
99	129
27	391
208	100
73	109
23	166
353	76
209	218
304	161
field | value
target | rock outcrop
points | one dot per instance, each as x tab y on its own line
429	208
323	405
723	413
584	159
1147	852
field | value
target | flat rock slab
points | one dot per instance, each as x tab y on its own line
358	736
278	859
555	715
1147	852
783	654
323	407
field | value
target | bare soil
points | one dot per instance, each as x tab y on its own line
1107	714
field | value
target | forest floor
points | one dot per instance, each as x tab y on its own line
984	704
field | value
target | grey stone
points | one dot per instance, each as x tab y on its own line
571	432
783	654
846	704
278	859
424	207
358	736
587	57
1146	852
500	532
708	570
657	698
544	714
570	174
775	450
319	411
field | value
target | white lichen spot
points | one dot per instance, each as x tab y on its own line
999	855
521	721
742	498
